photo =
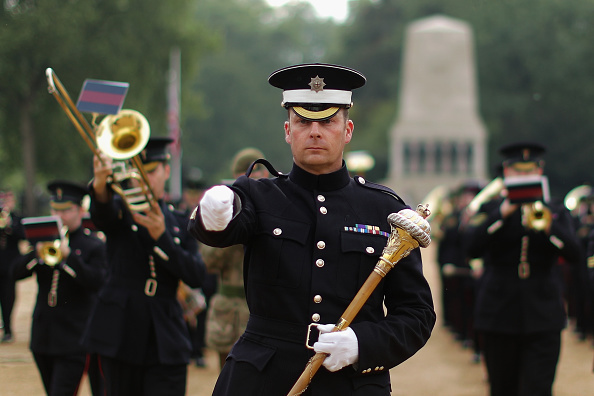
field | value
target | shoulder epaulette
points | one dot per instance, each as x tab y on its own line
375	186
268	166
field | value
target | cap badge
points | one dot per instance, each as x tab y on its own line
317	84
59	193
526	154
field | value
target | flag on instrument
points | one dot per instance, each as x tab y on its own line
529	188
102	97
42	228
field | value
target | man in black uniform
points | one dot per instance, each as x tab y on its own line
66	292
11	235
138	327
312	237
457	275
519	308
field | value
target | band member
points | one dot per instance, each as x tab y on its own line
11	236
66	292
457	275
138	327
519	308
312	237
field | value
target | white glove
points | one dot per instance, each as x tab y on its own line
342	347
216	208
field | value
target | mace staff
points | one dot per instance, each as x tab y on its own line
409	230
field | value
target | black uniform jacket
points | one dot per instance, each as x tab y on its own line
9	244
506	302
138	318
57	330
311	242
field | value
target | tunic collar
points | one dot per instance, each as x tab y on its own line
326	182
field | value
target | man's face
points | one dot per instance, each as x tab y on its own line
317	146
71	216
522	169
157	179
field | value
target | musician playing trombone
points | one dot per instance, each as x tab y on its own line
521	234
68	277
137	327
312	237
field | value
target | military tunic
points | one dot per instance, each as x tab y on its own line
311	241
138	319
66	294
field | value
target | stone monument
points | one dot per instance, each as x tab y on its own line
438	138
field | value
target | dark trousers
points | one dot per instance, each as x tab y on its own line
7	297
61	375
96	379
521	365
124	379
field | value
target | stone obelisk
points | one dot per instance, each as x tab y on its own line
438	138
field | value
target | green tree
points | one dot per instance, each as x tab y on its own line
239	107
121	40
534	61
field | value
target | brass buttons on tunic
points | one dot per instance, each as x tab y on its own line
320	263
321	245
317	299
370	250
323	210
321	198
277	231
315	317
361	180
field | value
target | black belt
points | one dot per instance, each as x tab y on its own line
150	287
280	330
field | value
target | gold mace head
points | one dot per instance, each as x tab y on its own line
410	229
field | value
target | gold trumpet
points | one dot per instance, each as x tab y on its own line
536	216
50	252
122	137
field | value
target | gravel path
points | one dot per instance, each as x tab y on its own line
441	368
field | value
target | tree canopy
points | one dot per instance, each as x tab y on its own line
534	61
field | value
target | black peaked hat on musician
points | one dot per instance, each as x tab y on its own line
316	91
529	152
155	152
64	193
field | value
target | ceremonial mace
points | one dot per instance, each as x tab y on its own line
409	231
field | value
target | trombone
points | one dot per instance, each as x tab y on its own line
120	136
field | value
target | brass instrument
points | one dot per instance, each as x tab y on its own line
440	204
574	197
490	191
121	137
409	230
50	252
536	216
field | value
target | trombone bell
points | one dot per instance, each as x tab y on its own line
123	135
